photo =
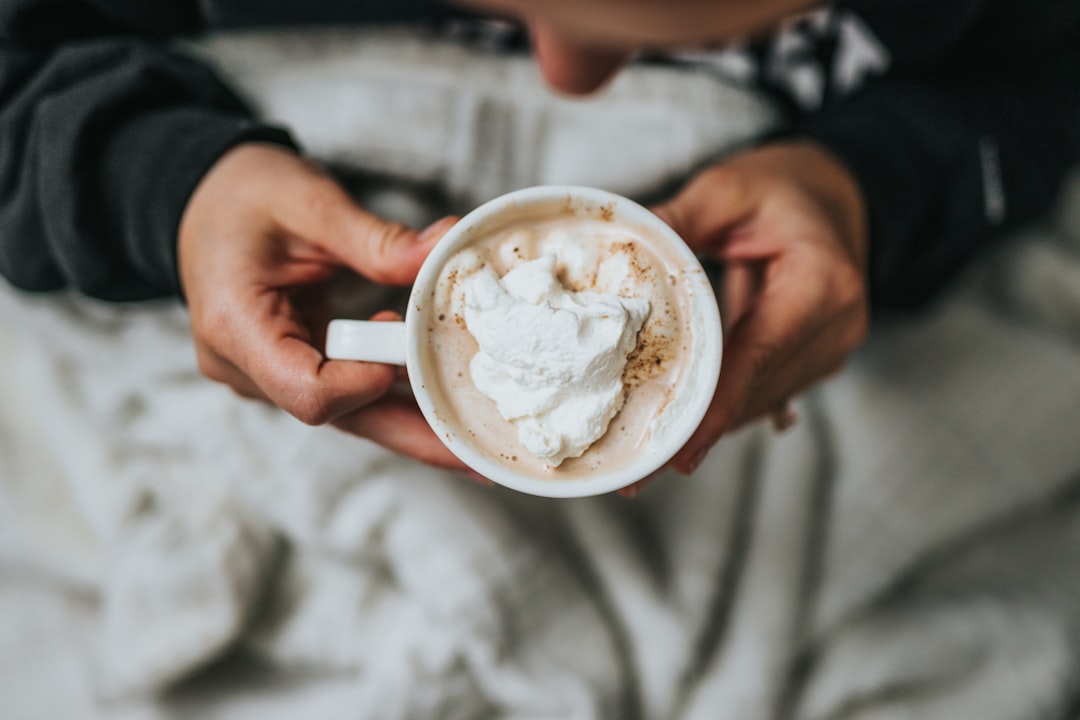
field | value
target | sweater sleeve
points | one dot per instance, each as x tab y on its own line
960	141
104	133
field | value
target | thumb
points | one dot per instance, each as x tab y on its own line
312	206
709	207
383	251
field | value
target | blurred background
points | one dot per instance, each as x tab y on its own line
907	550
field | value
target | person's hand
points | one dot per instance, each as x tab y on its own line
260	237
788	223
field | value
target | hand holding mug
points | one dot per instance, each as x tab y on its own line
788	224
262	234
562	341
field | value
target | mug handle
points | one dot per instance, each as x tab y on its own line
379	342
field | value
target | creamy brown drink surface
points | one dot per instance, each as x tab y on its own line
593	253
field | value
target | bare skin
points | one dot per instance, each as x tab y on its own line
788	224
265	230
262	234
787	221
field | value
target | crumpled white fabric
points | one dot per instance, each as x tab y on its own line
906	551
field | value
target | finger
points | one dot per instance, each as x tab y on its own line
782	317
396	423
741	283
314	311
299	379
434	232
479	479
387	252
821	357
709	208
326	216
632	491
571	66
275	350
218	369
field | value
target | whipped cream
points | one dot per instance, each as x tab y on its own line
552	360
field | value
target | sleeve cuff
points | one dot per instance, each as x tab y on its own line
907	155
168	152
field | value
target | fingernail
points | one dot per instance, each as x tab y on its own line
478	478
436	228
696	461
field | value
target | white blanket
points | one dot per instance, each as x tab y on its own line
906	551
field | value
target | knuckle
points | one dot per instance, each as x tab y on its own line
243	392
734	182
210	321
310	411
210	326
211	368
214	373
723	174
849	286
309	406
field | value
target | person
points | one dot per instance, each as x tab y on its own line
927	129
917	131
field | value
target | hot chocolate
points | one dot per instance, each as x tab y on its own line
556	333
557	341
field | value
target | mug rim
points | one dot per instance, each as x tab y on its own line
703	300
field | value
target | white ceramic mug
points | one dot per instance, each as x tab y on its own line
404	343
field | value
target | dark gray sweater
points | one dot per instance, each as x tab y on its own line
968	128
